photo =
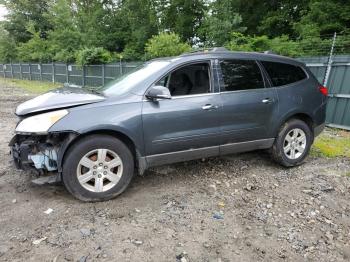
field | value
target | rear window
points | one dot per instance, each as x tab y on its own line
283	74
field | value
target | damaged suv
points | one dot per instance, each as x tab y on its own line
197	105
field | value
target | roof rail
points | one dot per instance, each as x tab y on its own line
207	50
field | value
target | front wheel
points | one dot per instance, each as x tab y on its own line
97	168
293	143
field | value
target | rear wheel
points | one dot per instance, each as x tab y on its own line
98	168
293	143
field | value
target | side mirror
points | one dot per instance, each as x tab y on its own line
158	93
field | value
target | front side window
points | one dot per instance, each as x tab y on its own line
283	74
188	80
240	75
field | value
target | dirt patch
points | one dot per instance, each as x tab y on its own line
236	208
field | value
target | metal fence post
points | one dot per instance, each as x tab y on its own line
53	72
83	75
41	70
120	67
3	70
330	61
103	74
20	70
67	74
30	71
11	69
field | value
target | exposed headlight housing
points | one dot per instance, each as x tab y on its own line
40	123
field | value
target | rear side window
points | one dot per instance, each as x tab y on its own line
241	75
283	74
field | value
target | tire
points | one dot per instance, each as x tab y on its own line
291	133
97	168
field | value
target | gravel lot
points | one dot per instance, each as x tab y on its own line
236	208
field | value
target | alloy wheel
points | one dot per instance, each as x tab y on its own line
294	143
99	170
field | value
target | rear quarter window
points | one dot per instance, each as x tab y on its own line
283	74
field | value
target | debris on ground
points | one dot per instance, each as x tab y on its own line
38	241
48	211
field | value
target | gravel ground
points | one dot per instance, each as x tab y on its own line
235	208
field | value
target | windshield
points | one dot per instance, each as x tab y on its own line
127	81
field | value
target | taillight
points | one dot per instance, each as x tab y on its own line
323	90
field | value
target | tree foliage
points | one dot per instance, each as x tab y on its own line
94	31
220	22
94	55
166	44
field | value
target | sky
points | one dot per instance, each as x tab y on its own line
3	12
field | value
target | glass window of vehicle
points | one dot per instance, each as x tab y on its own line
283	74
240	75
188	80
129	80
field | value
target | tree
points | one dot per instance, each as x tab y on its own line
142	23
7	46
36	49
282	16
220	23
182	17
324	18
25	12
166	44
95	55
65	38
281	45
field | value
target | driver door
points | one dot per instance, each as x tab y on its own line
187	125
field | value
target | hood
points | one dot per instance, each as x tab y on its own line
59	98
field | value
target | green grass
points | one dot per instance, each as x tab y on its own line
36	87
332	143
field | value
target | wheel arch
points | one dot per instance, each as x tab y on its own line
129	142
303	116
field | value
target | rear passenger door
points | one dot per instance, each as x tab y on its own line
249	105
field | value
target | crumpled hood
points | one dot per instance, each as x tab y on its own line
59	98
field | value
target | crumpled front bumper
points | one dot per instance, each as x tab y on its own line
41	152
20	153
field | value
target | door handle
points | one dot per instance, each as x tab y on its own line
209	107
267	101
